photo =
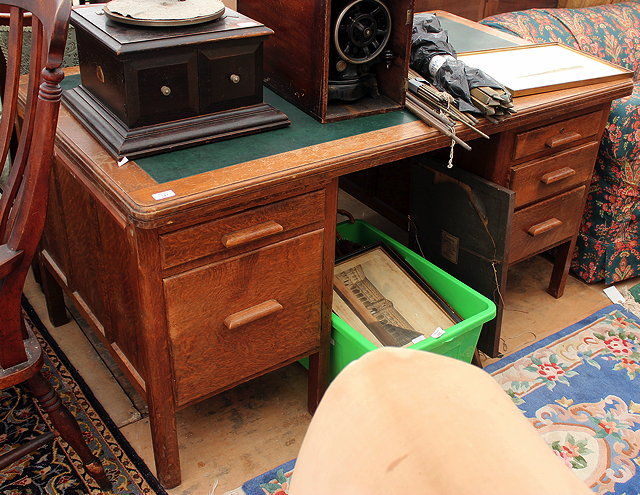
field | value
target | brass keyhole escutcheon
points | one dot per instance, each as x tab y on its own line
165	90
235	78
100	73
562	130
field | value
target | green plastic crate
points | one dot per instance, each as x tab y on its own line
459	341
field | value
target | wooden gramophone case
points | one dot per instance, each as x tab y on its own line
146	90
297	56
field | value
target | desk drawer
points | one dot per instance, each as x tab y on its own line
232	320
243	231
541	179
545	224
556	136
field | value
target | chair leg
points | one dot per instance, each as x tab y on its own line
19	452
68	428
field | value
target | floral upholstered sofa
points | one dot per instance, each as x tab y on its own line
607	247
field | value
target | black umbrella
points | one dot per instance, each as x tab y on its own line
433	57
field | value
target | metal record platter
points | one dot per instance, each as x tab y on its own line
164	13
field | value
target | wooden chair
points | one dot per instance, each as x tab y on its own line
23	207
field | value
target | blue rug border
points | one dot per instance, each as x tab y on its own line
493	367
252	487
137	461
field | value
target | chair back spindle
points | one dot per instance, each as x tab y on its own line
24	198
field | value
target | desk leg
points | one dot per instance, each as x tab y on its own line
158	379
319	362
318	371
164	436
53	295
558	281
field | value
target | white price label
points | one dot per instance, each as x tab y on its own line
614	294
163	195
439	332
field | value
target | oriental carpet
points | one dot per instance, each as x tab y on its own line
55	468
581	390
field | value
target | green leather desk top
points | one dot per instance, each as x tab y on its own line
466	39
304	131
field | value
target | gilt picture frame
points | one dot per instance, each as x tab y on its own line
537	68
384	299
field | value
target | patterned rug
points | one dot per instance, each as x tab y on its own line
55	468
274	482
580	388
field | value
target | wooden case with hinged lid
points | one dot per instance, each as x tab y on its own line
146	90
301	58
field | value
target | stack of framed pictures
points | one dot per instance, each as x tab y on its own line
384	299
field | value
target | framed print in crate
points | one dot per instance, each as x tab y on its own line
383	298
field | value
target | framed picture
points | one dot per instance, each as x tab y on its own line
383	298
530	69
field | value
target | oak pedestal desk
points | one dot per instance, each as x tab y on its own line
203	268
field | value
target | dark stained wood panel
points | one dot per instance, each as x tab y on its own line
470	241
297	56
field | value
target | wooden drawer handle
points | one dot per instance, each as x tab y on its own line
252	314
251	234
563	139
556	175
546	226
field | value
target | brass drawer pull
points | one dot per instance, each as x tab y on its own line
546	226
252	314
251	234
556	175
562	139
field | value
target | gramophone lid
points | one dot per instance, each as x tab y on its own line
164	12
